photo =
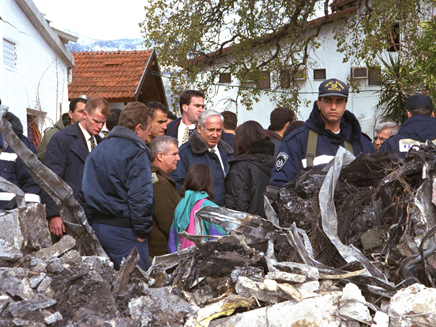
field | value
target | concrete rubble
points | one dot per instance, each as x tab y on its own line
349	246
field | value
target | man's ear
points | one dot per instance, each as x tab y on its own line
159	156
286	125
138	128
70	114
409	114
432	114
184	107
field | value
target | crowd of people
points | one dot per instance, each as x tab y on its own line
141	183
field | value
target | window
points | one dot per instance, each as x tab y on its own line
359	72
374	76
225	78
9	54
262	82
34	121
319	74
394	38
285	79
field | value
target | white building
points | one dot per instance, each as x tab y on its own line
35	65
327	63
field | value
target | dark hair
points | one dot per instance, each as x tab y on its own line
155	105
420	111
230	120
113	119
133	114
246	133
292	126
185	97
199	178
171	115
74	102
15	122
279	117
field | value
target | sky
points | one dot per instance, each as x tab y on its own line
95	19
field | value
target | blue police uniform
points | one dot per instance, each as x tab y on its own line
292	153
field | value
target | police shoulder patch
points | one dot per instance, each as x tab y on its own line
282	157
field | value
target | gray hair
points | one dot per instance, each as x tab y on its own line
388	125
161	144
207	114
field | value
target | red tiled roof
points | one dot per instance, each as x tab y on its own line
113	75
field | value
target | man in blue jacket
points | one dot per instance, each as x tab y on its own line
419	126
117	187
206	147
315	144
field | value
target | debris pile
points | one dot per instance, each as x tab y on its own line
352	245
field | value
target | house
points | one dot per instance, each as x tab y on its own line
326	62
35	65
118	76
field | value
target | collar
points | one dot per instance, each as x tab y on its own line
183	126
85	133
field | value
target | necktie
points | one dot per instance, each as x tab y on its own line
91	139
185	135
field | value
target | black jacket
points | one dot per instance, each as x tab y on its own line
246	182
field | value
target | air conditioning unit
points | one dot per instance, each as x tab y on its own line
359	72
300	76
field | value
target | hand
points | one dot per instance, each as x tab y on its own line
140	239
57	227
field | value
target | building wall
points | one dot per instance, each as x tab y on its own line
362	104
39	81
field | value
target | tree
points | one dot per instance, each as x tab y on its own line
246	38
399	36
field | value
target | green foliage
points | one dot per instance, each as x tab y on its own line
251	37
424	58
396	25
264	36
392	99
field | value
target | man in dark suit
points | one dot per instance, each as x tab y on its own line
206	147
191	105
67	151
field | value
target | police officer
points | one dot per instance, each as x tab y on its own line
315	144
419	126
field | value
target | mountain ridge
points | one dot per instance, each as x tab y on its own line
95	45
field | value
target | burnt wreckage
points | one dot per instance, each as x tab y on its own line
352	245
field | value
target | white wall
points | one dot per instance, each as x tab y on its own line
40	79
363	105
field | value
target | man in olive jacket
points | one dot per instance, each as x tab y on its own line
164	156
74	115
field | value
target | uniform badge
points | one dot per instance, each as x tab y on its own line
282	157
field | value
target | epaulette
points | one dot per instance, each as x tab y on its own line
154	178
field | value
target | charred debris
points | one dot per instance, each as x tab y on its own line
352	245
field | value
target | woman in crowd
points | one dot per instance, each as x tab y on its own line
197	192
251	170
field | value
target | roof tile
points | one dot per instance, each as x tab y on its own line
112	75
